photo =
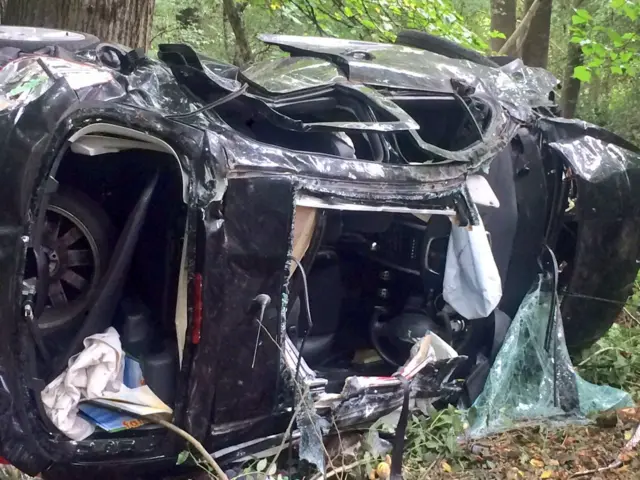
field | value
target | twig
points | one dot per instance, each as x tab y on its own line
626	310
426	472
629	446
522	29
301	389
595	354
311	15
201	450
284	437
337	470
163	31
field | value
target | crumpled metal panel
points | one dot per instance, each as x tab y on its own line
245	254
334	176
606	171
397	66
292	74
593	153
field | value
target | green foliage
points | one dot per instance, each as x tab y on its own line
614	360
201	23
380	20
435	436
609	40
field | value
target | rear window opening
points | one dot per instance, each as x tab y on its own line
449	123
351	144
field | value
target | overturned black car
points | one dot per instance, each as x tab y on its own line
306	221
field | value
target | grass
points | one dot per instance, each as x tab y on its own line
615	359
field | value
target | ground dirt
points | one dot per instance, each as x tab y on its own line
539	452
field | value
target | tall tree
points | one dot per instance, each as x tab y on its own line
233	13
535	47
570	84
127	22
503	20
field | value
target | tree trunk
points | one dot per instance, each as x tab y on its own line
127	22
535	48
571	85
503	19
233	12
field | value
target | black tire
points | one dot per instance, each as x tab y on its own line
431	43
30	39
97	229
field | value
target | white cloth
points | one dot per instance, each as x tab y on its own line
472	283
96	370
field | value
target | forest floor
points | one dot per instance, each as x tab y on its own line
534	453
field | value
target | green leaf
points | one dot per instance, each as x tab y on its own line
581	12
182	457
617	70
595	62
630	12
497	34
582	73
614	36
576	39
617	4
577	20
348	12
599	50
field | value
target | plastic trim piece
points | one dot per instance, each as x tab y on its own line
88	141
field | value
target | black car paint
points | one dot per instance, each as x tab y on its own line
244	244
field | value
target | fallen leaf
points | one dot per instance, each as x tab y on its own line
627	415
628	434
536	463
625	457
553	463
547	474
446	467
383	470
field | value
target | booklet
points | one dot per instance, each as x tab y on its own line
134	397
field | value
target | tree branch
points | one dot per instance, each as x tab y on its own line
311	15
521	30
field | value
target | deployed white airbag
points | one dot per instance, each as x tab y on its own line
472	283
